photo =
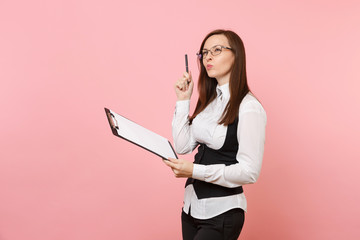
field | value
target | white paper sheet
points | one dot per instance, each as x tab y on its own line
141	136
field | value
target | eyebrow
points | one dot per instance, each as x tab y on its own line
212	46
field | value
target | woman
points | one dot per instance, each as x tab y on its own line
228	124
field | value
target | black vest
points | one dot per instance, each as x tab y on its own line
225	155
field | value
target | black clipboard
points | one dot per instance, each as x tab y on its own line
130	131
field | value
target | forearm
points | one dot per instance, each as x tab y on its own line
181	129
251	138
227	176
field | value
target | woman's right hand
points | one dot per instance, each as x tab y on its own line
184	87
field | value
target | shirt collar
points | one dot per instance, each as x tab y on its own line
223	90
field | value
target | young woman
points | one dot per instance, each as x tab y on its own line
228	125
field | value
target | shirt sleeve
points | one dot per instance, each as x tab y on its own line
251	138
181	129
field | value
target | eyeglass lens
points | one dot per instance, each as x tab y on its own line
216	50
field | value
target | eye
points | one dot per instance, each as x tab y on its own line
217	49
204	53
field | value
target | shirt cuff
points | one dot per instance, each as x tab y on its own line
199	172
183	106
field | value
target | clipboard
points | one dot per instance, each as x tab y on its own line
140	136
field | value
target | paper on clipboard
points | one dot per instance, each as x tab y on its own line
138	135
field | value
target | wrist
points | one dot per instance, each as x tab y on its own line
183	98
199	172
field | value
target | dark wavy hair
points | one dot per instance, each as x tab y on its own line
238	81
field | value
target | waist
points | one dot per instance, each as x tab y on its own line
210	207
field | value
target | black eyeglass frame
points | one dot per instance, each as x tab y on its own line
201	57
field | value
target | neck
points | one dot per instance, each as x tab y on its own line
223	80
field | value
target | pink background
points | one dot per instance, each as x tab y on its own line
63	175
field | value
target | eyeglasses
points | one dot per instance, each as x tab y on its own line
215	50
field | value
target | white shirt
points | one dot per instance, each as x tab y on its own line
205	129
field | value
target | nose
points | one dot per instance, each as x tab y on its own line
208	57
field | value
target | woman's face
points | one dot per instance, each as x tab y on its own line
218	66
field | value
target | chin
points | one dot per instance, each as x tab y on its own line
212	75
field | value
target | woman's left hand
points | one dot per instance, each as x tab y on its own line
180	167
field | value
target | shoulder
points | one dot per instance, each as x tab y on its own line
251	104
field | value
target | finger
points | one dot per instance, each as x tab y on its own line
191	84
185	79
184	85
176	85
181	81
168	163
189	79
173	160
180	85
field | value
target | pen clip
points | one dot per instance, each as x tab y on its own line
112	119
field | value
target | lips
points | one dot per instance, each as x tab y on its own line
209	66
